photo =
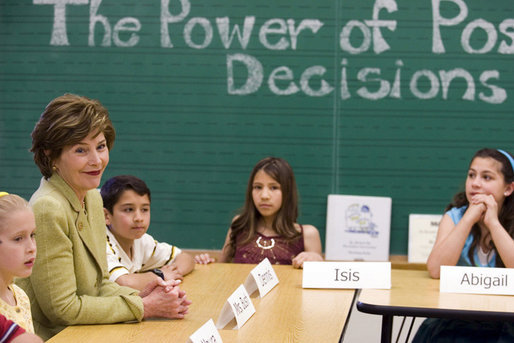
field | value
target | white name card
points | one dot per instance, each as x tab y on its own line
206	334
347	275
477	280
238	305
262	277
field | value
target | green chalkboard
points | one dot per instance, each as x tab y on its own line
362	97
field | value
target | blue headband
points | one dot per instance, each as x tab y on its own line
511	160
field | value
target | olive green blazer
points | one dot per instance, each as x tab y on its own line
69	283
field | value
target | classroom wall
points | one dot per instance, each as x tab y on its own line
385	98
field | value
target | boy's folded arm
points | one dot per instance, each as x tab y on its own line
136	280
185	263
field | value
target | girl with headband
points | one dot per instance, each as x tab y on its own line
477	230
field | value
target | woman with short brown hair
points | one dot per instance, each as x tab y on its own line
69	284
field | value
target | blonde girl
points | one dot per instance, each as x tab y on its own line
17	256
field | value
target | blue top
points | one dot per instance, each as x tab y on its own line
456	215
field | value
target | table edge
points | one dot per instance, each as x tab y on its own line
434	312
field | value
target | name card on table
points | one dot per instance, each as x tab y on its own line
238	305
347	275
206	334
476	280
262	277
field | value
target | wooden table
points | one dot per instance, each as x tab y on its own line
415	294
287	313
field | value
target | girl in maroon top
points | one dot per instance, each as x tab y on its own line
266	226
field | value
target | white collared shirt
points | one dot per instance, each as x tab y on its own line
147	254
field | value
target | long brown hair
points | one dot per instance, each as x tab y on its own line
506	213
247	220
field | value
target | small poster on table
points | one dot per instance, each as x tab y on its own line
422	234
358	228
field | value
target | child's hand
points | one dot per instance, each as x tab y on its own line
490	215
204	259
158	282
305	256
475	211
171	272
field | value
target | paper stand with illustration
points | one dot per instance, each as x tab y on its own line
358	228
